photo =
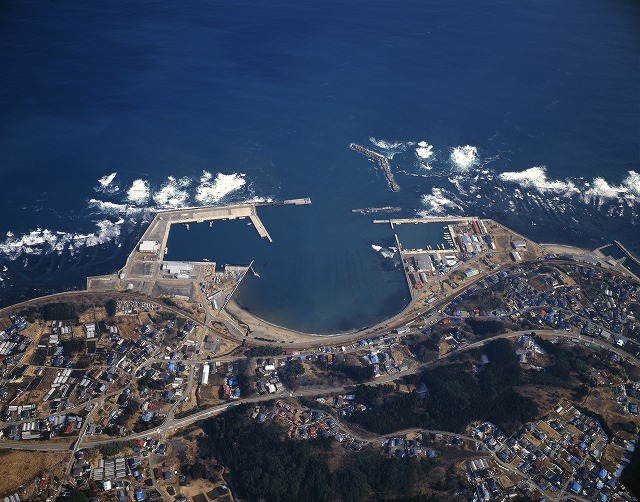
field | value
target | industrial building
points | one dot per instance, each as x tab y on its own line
149	247
177	267
423	263
204	379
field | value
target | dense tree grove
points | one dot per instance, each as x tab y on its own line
62	311
264	351
453	398
74	345
485	329
355	373
110	307
265	467
631	474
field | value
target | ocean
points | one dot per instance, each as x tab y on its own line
524	112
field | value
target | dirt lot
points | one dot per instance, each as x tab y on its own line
602	400
21	468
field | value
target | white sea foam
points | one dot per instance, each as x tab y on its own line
424	150
387	145
105	181
632	183
464	157
437	203
41	241
536	177
601	191
209	192
390	147
172	194
384	252
138	192
109	207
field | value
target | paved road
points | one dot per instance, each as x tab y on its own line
172	423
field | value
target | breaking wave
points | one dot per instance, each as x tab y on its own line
424	150
209	192
438	203
464	157
106	182
384	252
138	192
172	194
390	148
536	177
41	241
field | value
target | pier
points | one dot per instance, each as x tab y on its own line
386	209
381	160
143	271
262	231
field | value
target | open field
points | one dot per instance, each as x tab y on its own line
20	468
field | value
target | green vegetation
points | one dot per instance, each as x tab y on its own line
165	315
631	474
110	306
356	373
291	372
170	302
266	467
485	329
78	496
74	346
264	351
111	449
245	382
62	311
454	397
31	314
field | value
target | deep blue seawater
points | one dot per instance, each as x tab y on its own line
159	92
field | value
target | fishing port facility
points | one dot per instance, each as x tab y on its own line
207	284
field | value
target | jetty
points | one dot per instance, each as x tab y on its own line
627	253
381	160
386	209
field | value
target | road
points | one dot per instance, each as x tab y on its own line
172	423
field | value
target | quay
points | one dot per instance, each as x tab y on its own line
145	267
427	219
381	160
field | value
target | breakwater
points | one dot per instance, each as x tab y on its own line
381	160
386	209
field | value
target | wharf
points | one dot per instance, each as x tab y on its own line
381	160
142	271
431	219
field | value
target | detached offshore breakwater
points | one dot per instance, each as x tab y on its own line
381	160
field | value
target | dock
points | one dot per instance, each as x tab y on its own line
381	160
427	219
143	271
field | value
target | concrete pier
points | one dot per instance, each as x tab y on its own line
262	231
142	271
381	160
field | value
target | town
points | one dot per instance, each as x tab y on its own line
111	392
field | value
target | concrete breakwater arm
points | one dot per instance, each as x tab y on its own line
381	160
